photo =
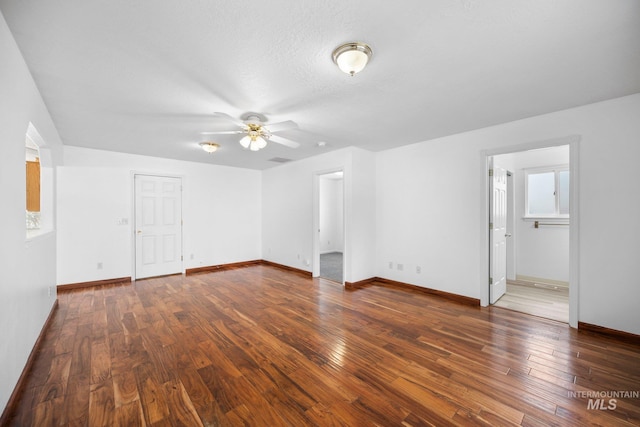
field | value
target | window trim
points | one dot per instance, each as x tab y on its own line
556	169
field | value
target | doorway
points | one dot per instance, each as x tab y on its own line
540	257
158	225
329	236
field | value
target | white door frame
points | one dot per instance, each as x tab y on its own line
316	222
133	215
573	141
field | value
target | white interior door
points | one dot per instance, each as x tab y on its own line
497	234
158	221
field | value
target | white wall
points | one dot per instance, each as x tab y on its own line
221	213
361	217
288	227
543	252
430	202
331	215
27	268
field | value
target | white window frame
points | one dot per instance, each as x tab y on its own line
546	169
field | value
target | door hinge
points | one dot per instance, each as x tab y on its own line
181	258
490	226
490	172
491	280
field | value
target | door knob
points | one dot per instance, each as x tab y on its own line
507	235
139	231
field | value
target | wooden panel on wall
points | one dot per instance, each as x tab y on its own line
33	186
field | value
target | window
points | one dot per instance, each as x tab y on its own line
33	185
547	192
39	185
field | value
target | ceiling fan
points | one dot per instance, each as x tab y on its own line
256	131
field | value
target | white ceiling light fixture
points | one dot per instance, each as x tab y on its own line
352	57
209	147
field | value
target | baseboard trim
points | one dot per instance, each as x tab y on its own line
221	267
80	285
379	281
359	285
286	267
242	264
20	385
613	333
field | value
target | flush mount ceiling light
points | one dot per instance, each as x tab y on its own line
352	57
209	147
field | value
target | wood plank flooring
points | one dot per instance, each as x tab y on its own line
260	346
540	301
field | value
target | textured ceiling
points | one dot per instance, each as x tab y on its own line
146	77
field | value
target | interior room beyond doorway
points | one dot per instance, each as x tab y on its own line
331	226
538	232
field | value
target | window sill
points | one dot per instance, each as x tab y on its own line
38	234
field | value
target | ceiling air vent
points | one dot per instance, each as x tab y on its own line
279	160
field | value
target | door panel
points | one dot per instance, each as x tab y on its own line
148	250
158	213
169	246
498	233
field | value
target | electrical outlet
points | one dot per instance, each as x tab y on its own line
400	267
99	266
391	265
418	269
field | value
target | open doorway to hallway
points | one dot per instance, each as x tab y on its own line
536	254
331	226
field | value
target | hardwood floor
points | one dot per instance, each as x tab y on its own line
547	302
265	347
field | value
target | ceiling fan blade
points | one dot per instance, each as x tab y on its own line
224	132
231	119
284	141
277	127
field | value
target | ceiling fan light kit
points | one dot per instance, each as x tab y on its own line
253	142
352	57
209	147
257	135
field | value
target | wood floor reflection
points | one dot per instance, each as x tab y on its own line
262	346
